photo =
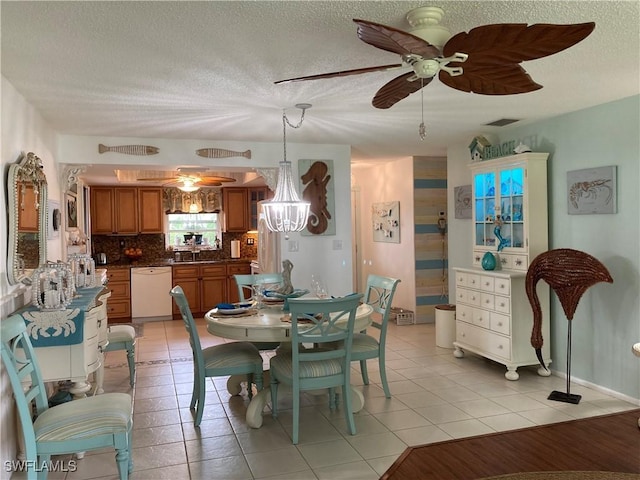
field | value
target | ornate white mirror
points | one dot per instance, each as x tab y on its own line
27	200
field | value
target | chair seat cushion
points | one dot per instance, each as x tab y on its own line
282	364
363	343
121	333
85	418
229	355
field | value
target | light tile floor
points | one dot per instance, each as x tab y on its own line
435	397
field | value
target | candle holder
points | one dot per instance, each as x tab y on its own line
83	268
53	286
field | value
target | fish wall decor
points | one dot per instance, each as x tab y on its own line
129	149
221	153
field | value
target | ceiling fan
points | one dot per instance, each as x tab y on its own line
484	61
189	181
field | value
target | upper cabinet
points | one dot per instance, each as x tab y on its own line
150	212
510	206
235	203
256	194
240	205
126	210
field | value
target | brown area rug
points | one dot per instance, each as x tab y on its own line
594	448
566	476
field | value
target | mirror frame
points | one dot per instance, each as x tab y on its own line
29	170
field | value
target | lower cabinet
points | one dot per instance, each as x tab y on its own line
232	286
204	286
494	318
119	305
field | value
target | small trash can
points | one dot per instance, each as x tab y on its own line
445	325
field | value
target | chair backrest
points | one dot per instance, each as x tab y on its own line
187	317
379	295
245	283
18	357
320	321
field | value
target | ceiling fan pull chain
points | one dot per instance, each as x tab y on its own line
422	129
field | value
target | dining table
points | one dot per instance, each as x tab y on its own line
269	323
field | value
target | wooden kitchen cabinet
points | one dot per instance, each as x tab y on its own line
119	305
150	214
204	286
114	210
240	268
235	203
256	194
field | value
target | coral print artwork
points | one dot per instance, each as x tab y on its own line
592	191
316	178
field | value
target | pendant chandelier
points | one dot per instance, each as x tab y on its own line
286	212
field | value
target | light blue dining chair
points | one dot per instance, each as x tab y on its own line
247	281
379	295
123	337
234	358
80	425
245	284
315	362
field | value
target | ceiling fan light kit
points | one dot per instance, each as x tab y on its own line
485	61
286	212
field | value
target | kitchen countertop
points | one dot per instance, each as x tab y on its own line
169	262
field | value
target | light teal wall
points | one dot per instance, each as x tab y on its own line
607	321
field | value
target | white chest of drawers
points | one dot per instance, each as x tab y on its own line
494	318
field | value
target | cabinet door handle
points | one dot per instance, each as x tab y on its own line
500	347
499	324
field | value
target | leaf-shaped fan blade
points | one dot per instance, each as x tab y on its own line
157	179
397	89
215	178
394	40
343	73
208	183
509	43
491	80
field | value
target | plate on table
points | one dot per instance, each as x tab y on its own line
233	308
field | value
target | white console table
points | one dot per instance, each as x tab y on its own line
68	343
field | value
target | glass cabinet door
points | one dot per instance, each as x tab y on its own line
485	204
511	201
501	193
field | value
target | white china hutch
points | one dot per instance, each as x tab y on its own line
493	315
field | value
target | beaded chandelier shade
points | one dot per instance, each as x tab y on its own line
286	212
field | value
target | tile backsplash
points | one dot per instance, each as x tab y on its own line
154	249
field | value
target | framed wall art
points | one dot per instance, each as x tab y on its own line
54	219
462	198
386	222
317	187
592	190
72	211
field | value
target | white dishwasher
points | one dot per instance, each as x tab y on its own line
150	297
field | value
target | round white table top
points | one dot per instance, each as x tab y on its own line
267	325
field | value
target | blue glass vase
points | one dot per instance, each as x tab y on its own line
488	261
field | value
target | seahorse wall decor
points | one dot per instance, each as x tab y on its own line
317	192
130	149
221	153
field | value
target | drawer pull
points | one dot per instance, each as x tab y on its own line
486	301
499	324
501	286
500	347
473	281
486	284
502	304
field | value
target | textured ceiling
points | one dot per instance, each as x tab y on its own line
205	70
